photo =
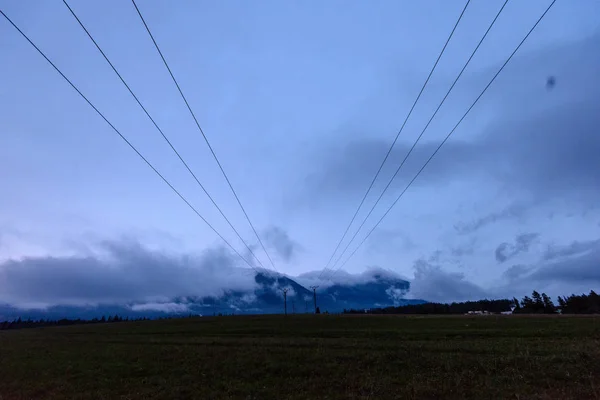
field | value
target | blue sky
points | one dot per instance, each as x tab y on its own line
300	101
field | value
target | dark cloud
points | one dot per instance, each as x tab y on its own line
466	249
279	240
573	268
123	273
547	149
514	210
502	253
433	283
516	272
524	240
575	247
549	155
435	256
505	251
351	170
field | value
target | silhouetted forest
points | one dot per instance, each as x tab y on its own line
491	306
538	303
581	304
29	323
573	304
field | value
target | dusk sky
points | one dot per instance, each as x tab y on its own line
300	100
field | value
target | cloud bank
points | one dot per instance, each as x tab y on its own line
433	283
561	270
278	239
341	277
123	273
150	281
541	143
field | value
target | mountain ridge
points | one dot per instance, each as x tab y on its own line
376	290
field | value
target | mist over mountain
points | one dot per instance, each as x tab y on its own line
374	288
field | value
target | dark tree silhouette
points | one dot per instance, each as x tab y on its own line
516	305
527	303
549	307
491	306
538	303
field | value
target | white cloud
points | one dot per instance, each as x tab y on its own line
341	277
396	294
248	298
163	307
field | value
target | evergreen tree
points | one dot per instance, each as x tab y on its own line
516	305
549	307
538	302
527	304
594	302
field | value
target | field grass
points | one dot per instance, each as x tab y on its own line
307	357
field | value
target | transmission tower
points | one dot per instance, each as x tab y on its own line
285	290
314	288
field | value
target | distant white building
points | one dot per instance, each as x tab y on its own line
512	308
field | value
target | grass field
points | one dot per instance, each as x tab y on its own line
307	357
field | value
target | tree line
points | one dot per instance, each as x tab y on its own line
38	323
538	303
491	306
573	304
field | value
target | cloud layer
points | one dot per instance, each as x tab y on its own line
545	144
278	239
505	251
561	270
433	283
149	281
341	277
122	273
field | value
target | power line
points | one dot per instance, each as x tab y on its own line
448	136
422	132
161	132
126	140
396	138
203	135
